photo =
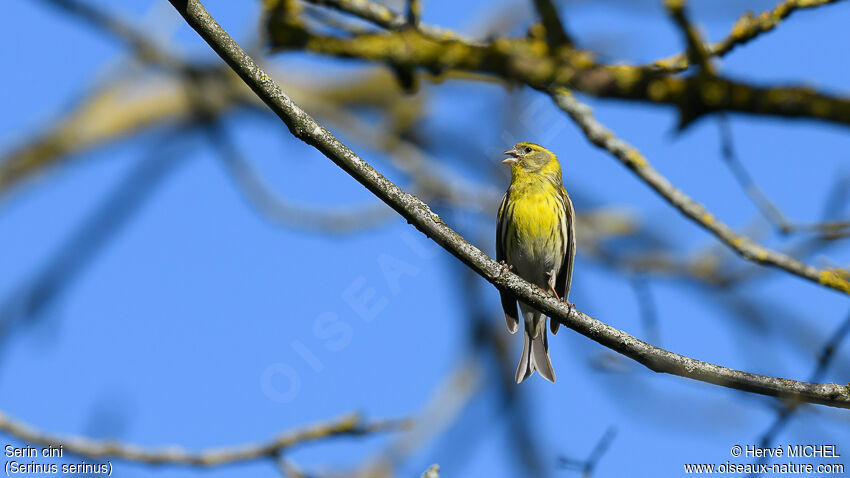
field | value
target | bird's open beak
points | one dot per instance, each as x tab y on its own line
513	156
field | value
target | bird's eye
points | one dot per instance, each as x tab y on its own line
527	150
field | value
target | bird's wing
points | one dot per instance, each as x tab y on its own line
508	300
565	275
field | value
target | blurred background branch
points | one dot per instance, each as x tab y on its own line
349	425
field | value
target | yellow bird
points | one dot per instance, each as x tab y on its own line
535	237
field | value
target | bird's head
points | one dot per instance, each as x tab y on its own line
531	158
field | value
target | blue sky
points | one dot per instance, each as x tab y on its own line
202	324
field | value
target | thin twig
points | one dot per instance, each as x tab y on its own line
789	409
746	28
304	127
764	204
556	34
697	53
646	306
588	465
288	468
303	216
145	48
349	425
413	12
770	211
384	17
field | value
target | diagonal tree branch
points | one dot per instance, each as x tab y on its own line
599	135
420	215
349	425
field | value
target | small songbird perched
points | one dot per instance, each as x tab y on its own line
535	237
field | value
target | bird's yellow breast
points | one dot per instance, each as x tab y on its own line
535	214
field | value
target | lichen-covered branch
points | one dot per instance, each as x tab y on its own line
350	425
630	157
420	215
528	61
556	34
696	53
588	465
745	29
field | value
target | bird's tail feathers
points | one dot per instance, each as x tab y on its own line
535	356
